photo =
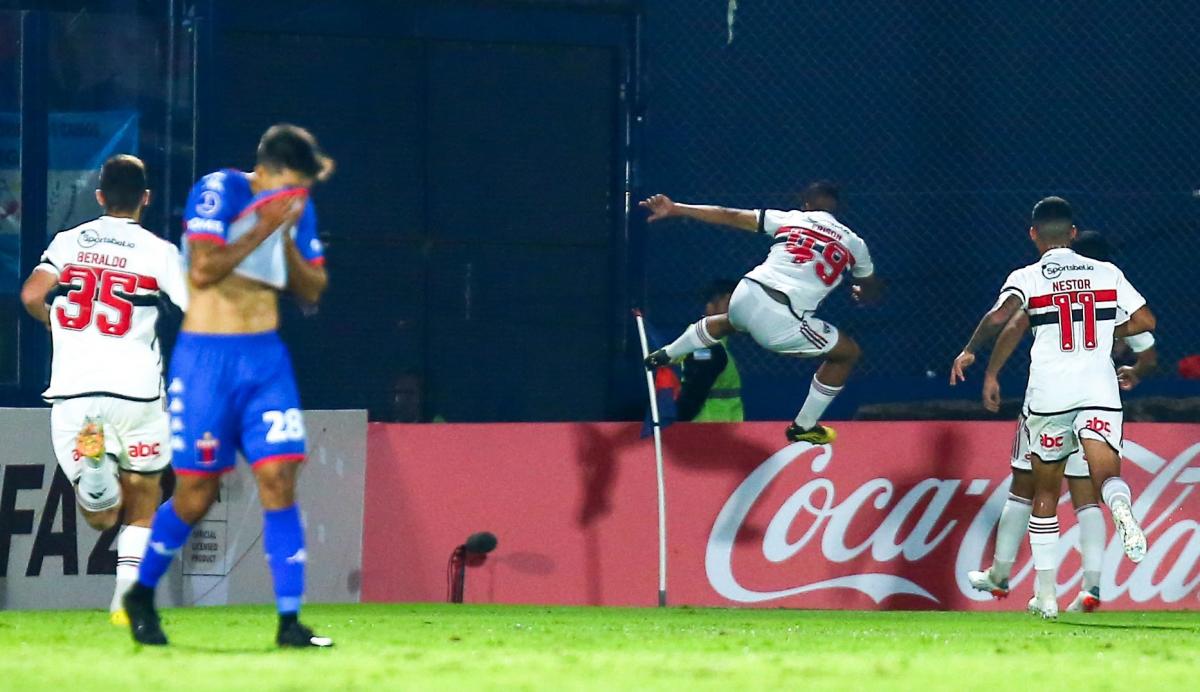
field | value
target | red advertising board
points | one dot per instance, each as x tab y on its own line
891	516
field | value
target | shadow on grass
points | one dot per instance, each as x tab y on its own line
1109	626
227	651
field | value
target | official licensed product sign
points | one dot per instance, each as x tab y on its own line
891	516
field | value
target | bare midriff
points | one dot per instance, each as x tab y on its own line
233	305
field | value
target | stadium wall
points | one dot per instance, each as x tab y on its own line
889	517
50	558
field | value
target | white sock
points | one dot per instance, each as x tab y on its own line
1114	489
1014	523
1091	543
1043	539
131	546
694	338
99	489
819	398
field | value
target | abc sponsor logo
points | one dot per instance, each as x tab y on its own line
142	450
1051	442
1100	426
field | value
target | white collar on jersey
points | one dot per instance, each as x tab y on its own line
125	219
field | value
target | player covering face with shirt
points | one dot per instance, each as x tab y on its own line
231	387
811	253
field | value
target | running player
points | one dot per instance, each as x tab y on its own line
250	235
100	288
812	251
1014	518
1073	398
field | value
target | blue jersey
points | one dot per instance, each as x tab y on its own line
222	207
237	392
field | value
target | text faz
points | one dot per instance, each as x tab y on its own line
21	484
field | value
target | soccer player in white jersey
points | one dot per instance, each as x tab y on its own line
774	303
1073	398
99	288
1014	517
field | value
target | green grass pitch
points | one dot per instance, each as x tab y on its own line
483	647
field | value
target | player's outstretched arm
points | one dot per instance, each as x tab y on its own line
662	207
988	328
307	281
1006	343
34	292
211	263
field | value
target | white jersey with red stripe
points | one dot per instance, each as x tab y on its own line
1074	304
811	254
112	274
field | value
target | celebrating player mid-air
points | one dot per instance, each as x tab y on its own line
1073	398
812	251
1014	518
101	287
250	235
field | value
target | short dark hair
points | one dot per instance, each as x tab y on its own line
123	183
1052	218
291	147
1093	245
718	288
821	195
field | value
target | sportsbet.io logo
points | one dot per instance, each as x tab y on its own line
1051	270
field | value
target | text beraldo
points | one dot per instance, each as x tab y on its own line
877	538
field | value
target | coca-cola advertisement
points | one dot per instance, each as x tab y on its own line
891	516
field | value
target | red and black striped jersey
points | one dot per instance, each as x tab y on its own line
1074	305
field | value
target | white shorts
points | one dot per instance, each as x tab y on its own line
1077	466
1056	437
775	326
137	433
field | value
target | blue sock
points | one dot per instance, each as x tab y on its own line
283	541
167	536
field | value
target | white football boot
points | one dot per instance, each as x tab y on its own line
1085	601
983	581
1132	538
1045	607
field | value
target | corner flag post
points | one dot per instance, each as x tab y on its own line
658	458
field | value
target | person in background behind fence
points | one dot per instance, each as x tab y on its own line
810	254
712	387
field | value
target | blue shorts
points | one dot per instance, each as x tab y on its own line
231	392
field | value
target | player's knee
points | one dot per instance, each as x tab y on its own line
1022	484
276	484
194	495
847	351
104	520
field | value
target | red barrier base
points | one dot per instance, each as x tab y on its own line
891	516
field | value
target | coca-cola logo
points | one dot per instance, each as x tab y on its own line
822	520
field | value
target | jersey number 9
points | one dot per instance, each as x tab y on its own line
802	242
